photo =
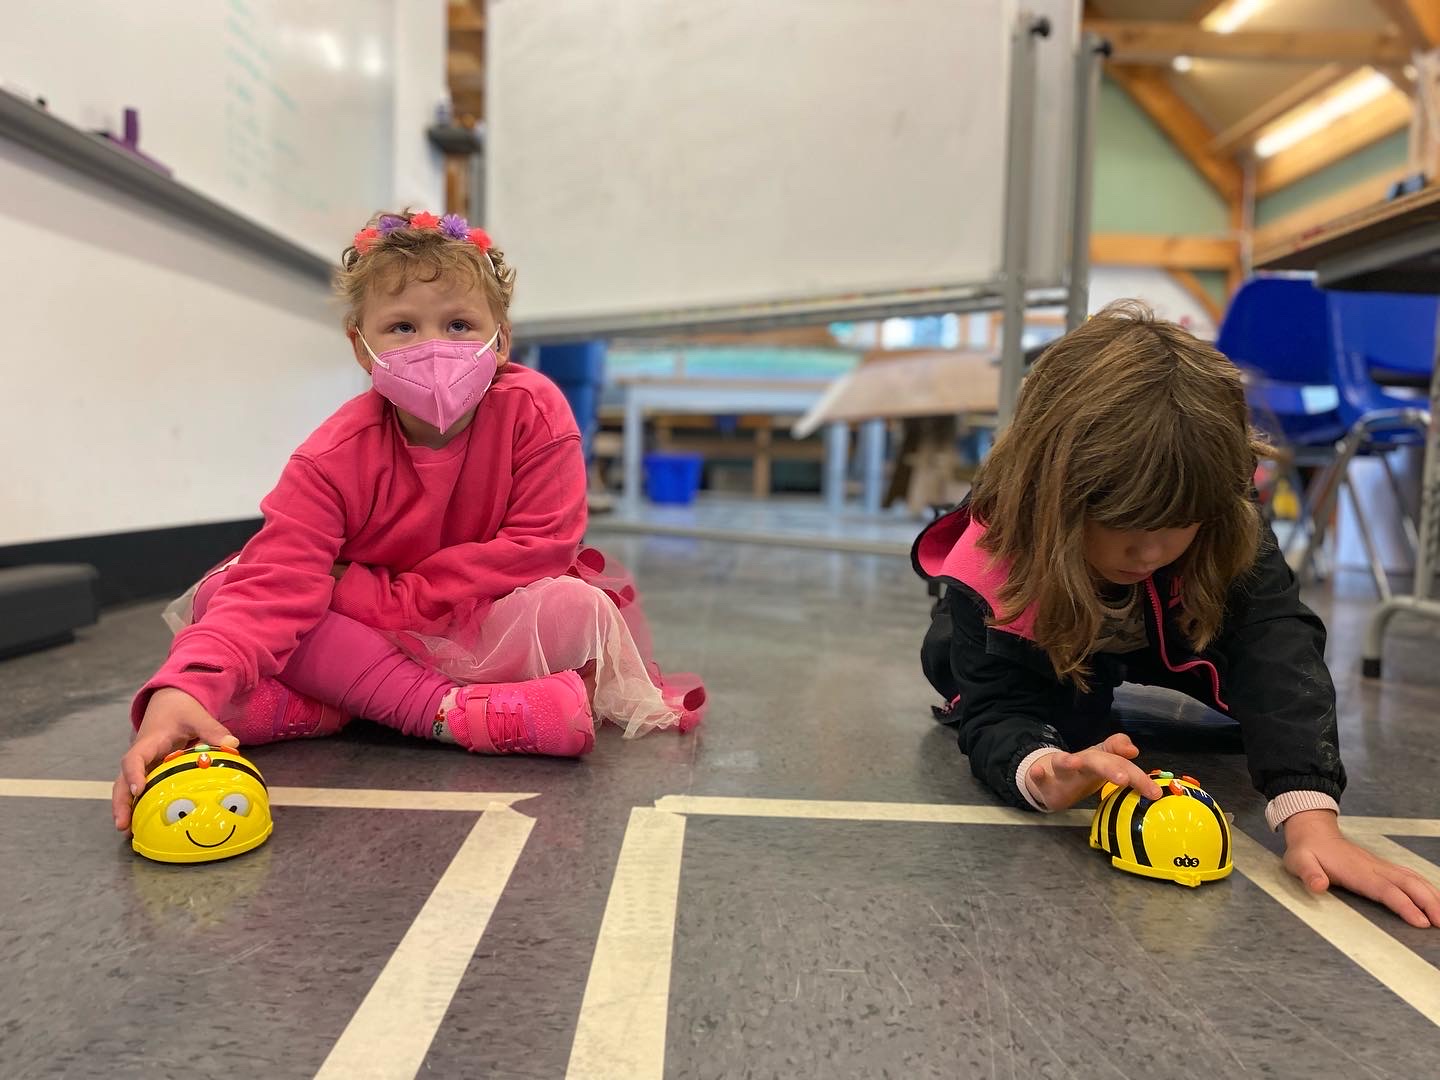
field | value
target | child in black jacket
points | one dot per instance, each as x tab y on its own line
1111	537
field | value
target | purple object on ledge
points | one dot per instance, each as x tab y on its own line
131	142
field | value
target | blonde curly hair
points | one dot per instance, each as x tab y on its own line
394	258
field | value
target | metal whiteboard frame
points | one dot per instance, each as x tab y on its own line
1010	292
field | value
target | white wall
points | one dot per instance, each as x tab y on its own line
151	375
1157	288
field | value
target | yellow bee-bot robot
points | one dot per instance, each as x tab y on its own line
1181	837
200	804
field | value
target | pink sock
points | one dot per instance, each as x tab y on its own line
346	663
355	668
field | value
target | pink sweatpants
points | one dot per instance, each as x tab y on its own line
356	668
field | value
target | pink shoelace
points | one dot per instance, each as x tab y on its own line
505	724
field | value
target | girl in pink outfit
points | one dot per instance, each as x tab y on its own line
420	561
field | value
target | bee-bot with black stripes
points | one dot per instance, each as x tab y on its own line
1182	836
199	804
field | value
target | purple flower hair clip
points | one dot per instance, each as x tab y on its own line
455	227
451	226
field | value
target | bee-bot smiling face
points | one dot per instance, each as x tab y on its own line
200	804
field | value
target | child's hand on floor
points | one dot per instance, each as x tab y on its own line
172	719
1317	854
1060	780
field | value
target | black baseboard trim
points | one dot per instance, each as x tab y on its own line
141	565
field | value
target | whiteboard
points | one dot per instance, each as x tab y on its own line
280	109
658	155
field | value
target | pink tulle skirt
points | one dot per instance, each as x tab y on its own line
591	620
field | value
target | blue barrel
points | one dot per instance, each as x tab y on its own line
579	370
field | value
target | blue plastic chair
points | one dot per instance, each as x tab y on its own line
1395	333
1277	330
1369	333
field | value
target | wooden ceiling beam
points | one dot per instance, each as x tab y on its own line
1150	89
1175	252
1354	131
1244	130
1192	285
1418	21
1144	41
1205	9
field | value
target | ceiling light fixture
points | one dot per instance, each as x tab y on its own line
1227	19
1370	87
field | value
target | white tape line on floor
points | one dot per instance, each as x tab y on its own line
821	810
1390	826
390	1033
1404	973
472	802
620	1034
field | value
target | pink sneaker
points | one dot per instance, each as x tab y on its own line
549	716
272	712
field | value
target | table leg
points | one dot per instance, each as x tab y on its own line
837	454
761	480
632	440
872	461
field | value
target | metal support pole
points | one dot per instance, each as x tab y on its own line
872	464
837	464
1088	59
632	448
1018	154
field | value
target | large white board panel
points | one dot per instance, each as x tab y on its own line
659	155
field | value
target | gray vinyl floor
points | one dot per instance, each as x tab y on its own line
812	936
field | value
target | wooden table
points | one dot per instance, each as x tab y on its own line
1392	247
779	397
908	384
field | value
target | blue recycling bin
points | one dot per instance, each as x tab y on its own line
673	478
579	370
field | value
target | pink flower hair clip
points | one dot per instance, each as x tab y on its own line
452	226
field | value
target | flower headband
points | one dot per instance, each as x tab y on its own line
453	226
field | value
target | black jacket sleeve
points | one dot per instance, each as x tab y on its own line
1280	688
1004	711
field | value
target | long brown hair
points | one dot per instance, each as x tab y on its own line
1132	423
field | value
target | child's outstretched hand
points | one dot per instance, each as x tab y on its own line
1317	854
172	719
1060	780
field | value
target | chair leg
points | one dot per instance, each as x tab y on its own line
1372	551
1407	519
1325	495
1304	523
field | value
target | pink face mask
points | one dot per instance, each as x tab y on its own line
436	381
